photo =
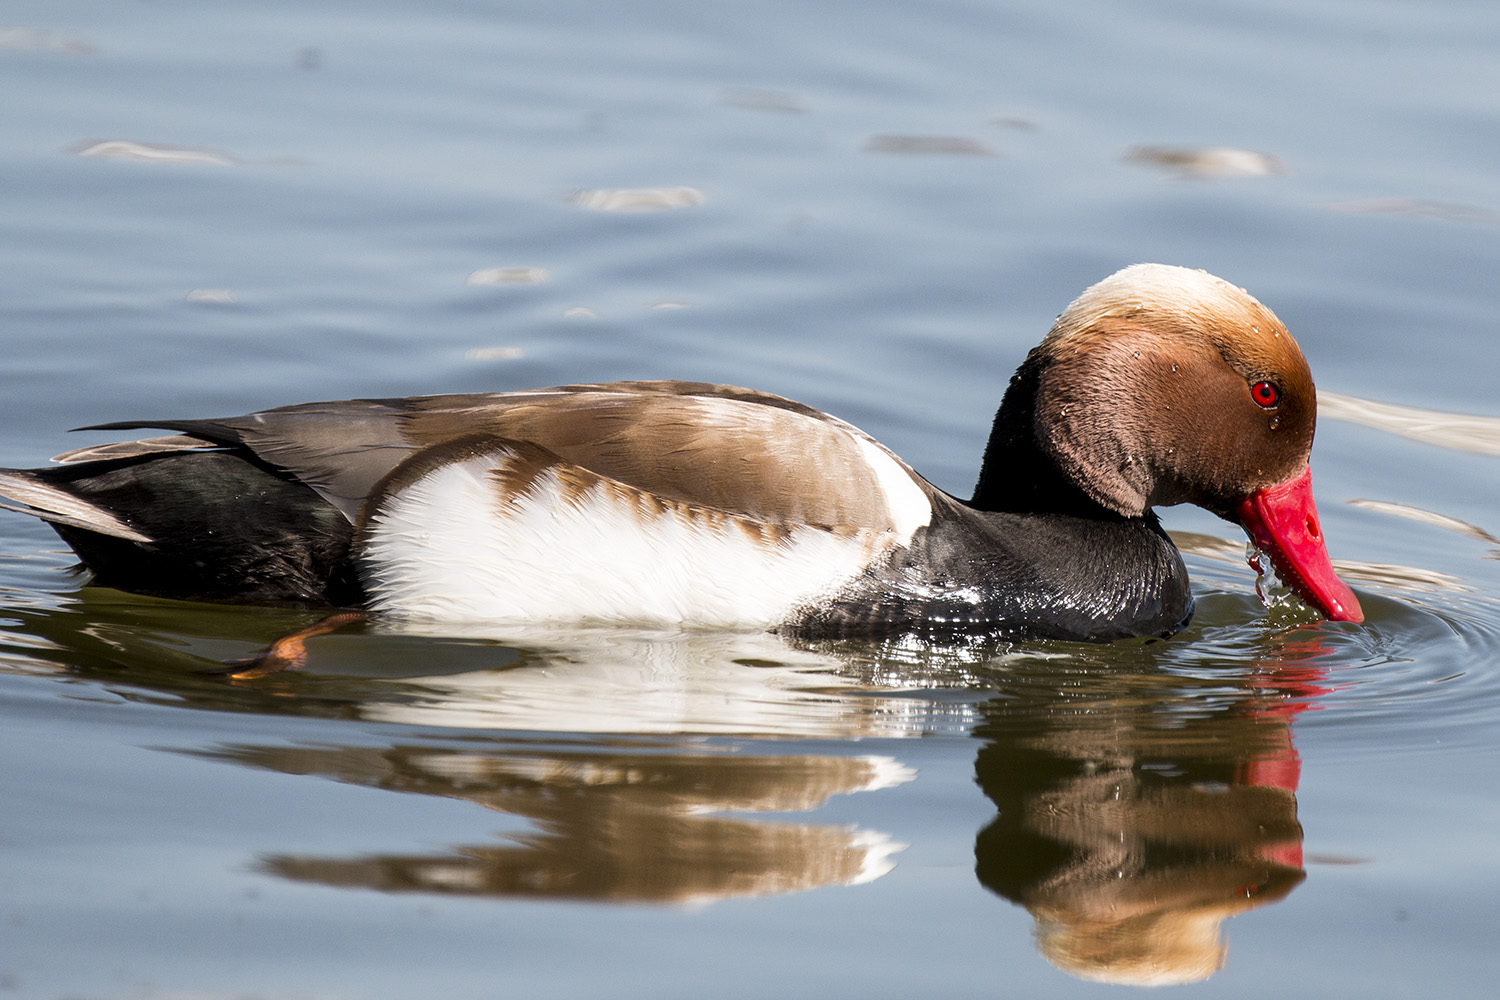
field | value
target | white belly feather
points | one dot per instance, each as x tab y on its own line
451	546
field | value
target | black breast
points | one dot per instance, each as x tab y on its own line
1052	576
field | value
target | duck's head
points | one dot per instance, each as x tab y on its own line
1163	385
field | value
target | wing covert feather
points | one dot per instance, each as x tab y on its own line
722	447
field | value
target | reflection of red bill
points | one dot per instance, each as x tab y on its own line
1277	770
1282	521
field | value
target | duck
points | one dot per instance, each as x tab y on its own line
671	504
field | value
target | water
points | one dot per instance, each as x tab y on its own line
876	209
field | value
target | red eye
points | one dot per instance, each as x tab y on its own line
1265	394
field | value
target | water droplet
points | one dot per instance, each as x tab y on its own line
1269	587
1275	422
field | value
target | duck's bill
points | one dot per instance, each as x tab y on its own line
1282	521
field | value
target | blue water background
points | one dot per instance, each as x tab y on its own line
879	208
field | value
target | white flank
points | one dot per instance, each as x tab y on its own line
449	547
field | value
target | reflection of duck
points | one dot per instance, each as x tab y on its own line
521	679
666	503
1137	809
1133	818
615	680
623	825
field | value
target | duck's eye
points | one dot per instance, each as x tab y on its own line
1265	394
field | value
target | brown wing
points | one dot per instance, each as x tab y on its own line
721	447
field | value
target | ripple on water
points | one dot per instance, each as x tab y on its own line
1419	671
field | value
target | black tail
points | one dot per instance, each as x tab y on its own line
207	525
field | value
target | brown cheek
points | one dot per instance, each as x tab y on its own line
1287	437
1215	443
1191	415
1262	447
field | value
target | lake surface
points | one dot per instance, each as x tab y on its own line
875	208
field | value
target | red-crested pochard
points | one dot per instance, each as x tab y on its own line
687	504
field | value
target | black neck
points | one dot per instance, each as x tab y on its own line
1018	475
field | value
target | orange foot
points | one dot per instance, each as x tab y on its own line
290	651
